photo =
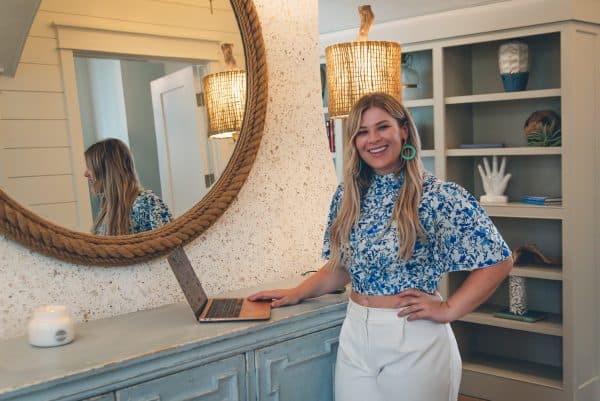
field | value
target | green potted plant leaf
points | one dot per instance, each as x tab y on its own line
542	128
547	135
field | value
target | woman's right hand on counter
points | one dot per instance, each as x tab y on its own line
281	297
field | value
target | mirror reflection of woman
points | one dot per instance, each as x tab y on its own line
125	206
393	231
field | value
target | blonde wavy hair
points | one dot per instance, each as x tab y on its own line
358	175
111	163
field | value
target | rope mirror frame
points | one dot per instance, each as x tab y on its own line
25	227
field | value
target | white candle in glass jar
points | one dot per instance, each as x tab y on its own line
51	325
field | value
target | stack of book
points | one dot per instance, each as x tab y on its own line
542	200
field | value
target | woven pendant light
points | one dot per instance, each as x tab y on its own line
355	69
225	98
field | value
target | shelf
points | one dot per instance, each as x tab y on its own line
523	210
524	371
418	103
428	153
503	96
551	326
541	272
516	151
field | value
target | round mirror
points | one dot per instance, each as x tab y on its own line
141	84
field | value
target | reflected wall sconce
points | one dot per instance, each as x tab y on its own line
357	68
225	98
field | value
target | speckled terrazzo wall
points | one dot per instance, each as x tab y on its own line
273	230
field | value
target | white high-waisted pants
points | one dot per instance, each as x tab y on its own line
383	357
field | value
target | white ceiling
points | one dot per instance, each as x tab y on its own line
337	15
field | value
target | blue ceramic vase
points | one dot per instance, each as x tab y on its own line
515	82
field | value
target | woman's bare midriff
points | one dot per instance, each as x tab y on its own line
376	301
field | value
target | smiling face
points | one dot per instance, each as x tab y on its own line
379	140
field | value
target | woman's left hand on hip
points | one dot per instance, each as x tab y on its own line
421	305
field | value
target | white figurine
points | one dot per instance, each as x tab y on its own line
494	181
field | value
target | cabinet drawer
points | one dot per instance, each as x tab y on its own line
299	369
220	380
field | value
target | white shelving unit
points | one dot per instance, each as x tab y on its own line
418	102
524	211
477	110
522	371
503	96
507	359
515	151
538	271
552	325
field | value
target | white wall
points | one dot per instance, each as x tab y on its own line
137	76
108	100
272	230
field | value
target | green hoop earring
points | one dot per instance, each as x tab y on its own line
412	152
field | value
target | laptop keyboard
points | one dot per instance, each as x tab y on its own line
225	307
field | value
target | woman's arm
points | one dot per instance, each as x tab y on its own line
479	286
322	282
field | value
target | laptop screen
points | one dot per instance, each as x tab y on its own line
186	276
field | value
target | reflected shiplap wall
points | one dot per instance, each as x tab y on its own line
273	230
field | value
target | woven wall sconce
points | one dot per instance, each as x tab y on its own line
357	68
225	98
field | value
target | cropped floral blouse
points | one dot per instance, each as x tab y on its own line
459	236
147	213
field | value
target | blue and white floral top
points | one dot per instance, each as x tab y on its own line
147	213
460	236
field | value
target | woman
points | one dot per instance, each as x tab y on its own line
125	206
393	231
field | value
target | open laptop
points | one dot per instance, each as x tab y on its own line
213	309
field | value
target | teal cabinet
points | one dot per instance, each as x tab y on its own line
103	397
216	381
299	369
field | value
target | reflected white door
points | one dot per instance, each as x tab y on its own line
181	140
